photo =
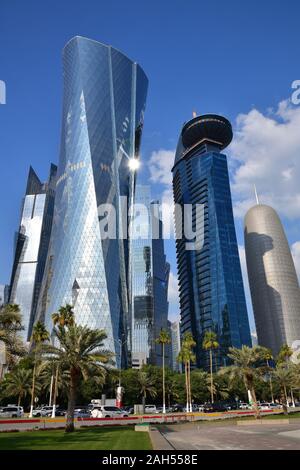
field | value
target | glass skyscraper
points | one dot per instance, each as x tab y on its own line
103	110
31	247
210	281
150	276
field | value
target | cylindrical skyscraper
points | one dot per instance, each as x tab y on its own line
272	277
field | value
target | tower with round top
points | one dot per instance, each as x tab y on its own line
210	280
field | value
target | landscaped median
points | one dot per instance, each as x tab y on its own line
58	423
112	438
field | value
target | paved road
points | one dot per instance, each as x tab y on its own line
219	436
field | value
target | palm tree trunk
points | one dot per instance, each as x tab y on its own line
72	400
284	401
271	383
292	398
189	384
19	399
144	402
55	392
286	397
256	409
211	377
33	388
164	391
186	385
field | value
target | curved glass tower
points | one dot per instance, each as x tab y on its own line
103	110
211	288
272	278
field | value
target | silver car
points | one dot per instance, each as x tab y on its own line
11	412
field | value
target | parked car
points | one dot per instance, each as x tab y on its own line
231	406
150	409
214	408
129	409
11	412
58	412
43	411
103	411
178	408
82	413
244	406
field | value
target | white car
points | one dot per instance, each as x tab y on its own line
103	411
244	406
150	409
11	411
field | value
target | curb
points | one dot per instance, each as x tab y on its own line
158	441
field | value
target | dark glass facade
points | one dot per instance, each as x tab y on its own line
150	275
210	279
103	110
31	247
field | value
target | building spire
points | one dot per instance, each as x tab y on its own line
194	114
256	196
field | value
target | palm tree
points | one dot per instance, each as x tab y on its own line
146	385
284	354
209	344
64	316
10	326
246	365
284	377
186	356
39	335
268	356
18	383
81	353
163	339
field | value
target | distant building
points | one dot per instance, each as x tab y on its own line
31	247
176	345
4	293
272	278
149	285
211	290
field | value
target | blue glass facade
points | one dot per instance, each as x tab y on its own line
149	286
210	280
31	247
103	110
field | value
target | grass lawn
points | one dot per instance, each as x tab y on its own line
118	438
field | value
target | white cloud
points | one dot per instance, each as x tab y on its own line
266	152
160	166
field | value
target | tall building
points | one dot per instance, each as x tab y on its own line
150	277
176	345
211	288
103	109
31	247
273	280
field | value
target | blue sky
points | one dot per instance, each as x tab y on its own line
234	58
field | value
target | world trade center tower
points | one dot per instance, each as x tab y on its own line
103	108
